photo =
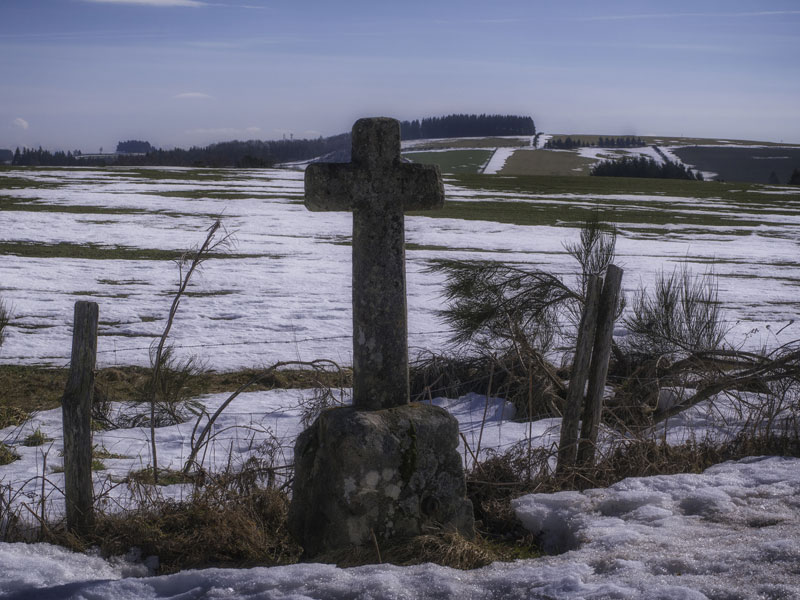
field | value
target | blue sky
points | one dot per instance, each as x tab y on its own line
88	73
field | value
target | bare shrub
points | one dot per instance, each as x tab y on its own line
320	368
506	319
167	377
681	316
5	319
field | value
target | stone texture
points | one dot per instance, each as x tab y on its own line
396	472
377	187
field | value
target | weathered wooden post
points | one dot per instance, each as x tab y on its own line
76	408
609	300
568	446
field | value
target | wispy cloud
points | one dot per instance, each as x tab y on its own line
21	123
160	3
191	95
641	17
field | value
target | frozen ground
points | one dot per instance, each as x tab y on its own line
498	160
730	533
727	534
286	292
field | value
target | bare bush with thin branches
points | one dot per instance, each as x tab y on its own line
512	316
5	319
681	315
165	380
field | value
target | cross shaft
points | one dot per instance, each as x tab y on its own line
377	187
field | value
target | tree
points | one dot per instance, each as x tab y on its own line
642	166
134	147
795	178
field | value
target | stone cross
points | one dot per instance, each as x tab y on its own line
377	187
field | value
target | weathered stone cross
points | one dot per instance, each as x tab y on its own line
378	188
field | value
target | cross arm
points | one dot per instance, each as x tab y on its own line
330	186
420	187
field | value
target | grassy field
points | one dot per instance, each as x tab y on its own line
666	140
456	161
487	142
743	164
615	201
546	162
549	185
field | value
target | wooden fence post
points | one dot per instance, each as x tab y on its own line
609	300
568	446
76	406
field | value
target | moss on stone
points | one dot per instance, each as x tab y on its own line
408	461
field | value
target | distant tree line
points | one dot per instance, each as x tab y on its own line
134	147
642	166
256	153
249	154
569	143
466	126
30	157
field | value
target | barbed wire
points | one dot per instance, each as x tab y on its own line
223	344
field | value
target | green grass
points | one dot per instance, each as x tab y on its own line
7	455
580	198
435	248
667	140
101	452
9	203
744	164
123	282
165	476
12	182
455	161
207	294
203	194
546	162
603	186
564	214
488	142
182	174
98	252
37	438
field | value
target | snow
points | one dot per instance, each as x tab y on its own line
599	154
498	160
251	311
731	532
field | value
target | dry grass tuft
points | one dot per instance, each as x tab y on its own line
214	528
446	549
7	455
12	416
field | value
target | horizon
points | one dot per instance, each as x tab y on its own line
86	74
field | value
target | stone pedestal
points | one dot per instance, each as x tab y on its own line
395	472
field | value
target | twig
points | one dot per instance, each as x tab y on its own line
377	548
485	407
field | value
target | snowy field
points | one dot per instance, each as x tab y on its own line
285	292
729	533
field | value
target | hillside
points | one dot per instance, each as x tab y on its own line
724	160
